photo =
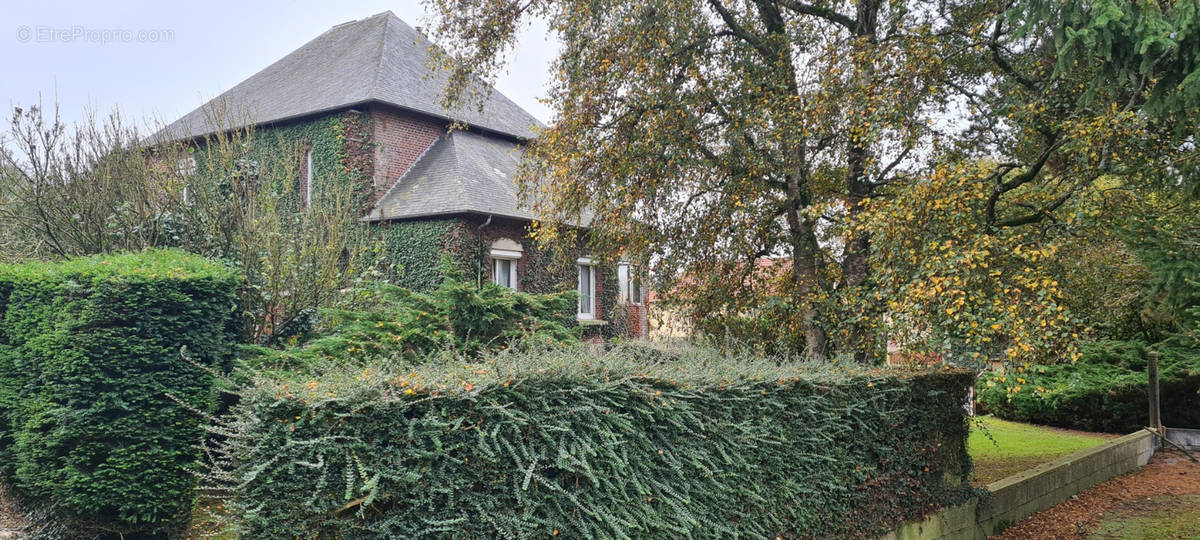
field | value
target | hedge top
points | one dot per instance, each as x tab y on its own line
151	264
688	367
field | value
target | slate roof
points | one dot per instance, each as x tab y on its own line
462	172
377	59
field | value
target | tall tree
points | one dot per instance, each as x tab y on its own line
711	131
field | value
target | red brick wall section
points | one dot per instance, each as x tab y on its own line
400	138
638	320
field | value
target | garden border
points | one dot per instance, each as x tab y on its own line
1023	494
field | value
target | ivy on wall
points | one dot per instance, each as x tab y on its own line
410	252
542	274
342	155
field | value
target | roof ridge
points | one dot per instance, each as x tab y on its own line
382	51
457	161
367	18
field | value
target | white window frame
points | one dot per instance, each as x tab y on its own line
308	178
512	271
580	265
623	282
505	250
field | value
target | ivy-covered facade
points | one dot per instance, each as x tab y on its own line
435	186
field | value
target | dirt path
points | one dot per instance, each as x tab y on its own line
10	518
1166	482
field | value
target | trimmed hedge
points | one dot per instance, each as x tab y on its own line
1103	391
90	349
621	445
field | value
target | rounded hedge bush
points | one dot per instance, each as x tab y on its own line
100	359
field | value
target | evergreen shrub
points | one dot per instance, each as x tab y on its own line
90	349
1105	390
565	442
381	320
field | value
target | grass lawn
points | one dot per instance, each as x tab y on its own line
1162	517
1015	447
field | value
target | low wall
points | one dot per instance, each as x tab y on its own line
1021	495
1187	438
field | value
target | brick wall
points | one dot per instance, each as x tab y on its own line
638	319
400	138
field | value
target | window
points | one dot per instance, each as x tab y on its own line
636	294
505	253
185	167
587	289
504	273
623	282
630	285
308	178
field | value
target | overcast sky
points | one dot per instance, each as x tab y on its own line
158	60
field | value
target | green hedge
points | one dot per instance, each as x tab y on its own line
625	445
379	319
89	350
1104	391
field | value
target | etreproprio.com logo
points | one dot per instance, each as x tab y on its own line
87	34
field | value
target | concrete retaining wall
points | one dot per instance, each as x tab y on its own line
1021	495
1187	438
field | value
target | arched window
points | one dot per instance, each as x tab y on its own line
504	254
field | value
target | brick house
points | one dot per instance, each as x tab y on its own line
433	192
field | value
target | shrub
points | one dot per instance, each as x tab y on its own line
383	320
580	445
1104	391
90	349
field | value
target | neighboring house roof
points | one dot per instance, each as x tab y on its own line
461	172
377	59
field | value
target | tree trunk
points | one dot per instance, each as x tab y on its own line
804	273
857	250
805	255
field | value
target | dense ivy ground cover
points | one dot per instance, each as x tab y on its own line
628	444
91	365
1104	391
